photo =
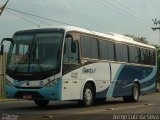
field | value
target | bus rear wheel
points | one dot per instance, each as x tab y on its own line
135	94
88	95
41	103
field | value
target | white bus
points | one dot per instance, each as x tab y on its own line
70	63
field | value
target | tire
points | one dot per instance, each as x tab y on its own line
41	103
135	94
88	95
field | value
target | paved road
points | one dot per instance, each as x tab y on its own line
148	107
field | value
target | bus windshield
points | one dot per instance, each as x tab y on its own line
35	52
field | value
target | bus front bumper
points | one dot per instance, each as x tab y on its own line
44	93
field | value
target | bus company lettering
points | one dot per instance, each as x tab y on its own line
88	70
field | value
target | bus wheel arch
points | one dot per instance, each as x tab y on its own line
88	94
135	93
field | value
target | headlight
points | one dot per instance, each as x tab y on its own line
51	83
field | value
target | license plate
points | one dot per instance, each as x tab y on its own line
27	96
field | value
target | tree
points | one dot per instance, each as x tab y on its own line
144	40
138	39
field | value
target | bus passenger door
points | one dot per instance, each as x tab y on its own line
71	86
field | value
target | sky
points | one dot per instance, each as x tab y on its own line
132	17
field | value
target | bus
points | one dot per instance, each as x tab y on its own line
70	63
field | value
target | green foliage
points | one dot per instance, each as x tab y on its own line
144	40
158	50
138	39
2	97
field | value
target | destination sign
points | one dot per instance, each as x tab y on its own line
23	37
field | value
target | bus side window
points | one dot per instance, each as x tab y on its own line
66	51
70	52
74	52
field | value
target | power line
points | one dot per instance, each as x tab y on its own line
22	18
49	4
92	21
127	9
69	10
118	10
37	16
25	13
31	17
37	19
126	12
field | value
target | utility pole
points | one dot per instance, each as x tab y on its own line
156	28
2	7
2	57
157	25
156	22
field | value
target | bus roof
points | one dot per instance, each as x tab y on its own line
113	36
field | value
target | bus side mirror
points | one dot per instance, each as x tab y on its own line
2	46
2	49
73	43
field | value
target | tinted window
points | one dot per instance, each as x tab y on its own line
111	51
85	45
148	62
121	53
89	47
106	50
118	49
134	55
103	50
144	56
94	48
125	53
152	57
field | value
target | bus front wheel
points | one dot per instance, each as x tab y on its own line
135	94
41	103
88	95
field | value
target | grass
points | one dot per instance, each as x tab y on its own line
2	97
